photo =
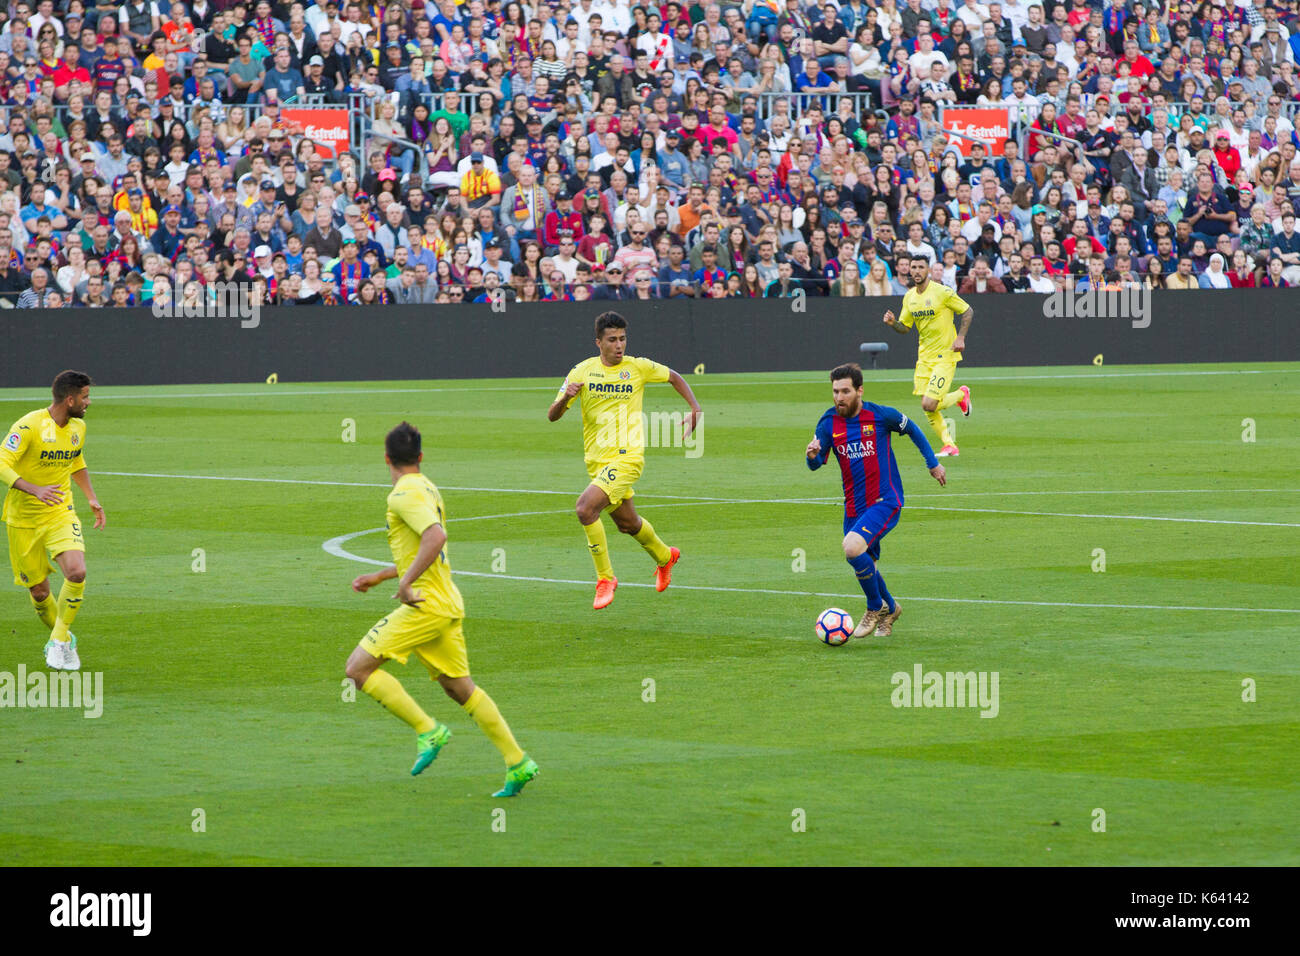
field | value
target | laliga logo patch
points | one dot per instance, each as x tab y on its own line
12	441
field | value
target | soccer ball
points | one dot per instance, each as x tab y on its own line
834	626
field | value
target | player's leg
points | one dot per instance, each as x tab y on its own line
31	566
448	663
482	709
590	506
72	563
934	398
855	552
45	605
890	610
394	637
62	542
861	547
629	522
31	570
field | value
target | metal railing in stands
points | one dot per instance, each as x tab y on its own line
799	102
253	111
1027	131
363	109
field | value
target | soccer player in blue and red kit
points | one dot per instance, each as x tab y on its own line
859	434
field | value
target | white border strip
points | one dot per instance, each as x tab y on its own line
697	381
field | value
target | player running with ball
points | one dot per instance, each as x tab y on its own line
931	307
859	434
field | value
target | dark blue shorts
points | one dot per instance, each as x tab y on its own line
877	522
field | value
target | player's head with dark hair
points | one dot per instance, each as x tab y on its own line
402	445
69	384
851	371
609	320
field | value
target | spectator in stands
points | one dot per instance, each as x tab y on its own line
1185	149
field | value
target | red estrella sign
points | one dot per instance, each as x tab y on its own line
327	126
989	123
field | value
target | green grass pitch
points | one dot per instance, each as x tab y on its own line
1120	690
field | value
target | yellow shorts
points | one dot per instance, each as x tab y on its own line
934	377
616	478
32	550
438	641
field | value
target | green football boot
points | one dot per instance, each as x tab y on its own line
517	776
428	744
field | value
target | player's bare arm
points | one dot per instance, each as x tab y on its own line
431	544
50	494
82	478
684	390
561	405
364	582
894	324
959	343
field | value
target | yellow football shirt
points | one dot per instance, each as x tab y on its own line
414	505
932	312
612	426
36	449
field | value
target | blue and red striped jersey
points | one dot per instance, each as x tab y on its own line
861	444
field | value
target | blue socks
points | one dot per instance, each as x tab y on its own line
868	579
885	596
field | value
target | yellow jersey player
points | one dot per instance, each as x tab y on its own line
428	621
931	307
39	454
613	436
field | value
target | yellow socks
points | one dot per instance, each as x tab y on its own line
69	604
484	712
388	690
599	548
45	609
940	429
647	538
949	400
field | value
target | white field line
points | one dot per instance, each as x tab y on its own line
701	499
280	391
1068	514
334	546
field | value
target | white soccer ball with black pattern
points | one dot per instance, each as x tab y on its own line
834	626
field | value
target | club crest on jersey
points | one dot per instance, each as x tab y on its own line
76	439
868	430
12	441
625	374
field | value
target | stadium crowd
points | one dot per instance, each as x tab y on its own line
597	149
